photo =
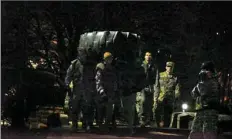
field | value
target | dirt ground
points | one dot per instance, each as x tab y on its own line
119	133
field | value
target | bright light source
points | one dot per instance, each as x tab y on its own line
184	107
217	33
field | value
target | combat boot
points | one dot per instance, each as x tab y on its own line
153	124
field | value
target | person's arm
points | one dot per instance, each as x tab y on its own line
156	85
157	78
99	83
68	77
195	92
177	90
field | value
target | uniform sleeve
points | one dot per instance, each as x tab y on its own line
177	90
161	91
157	85
68	77
157	78
99	83
195	92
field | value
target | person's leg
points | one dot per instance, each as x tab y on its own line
149	104
197	127
109	113
115	114
159	114
129	105
210	124
75	112
142	110
100	114
168	109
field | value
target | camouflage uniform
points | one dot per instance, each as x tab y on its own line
165	99
77	97
206	94
106	84
145	98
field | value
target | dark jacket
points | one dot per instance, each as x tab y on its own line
206	94
151	74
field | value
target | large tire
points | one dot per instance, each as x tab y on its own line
124	46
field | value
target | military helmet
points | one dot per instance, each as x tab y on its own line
170	64
208	65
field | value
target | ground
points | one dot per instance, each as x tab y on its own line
119	133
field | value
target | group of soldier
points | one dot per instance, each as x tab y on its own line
161	90
153	105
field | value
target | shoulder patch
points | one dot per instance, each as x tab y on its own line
100	66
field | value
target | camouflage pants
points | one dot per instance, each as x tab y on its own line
163	113
144	106
204	125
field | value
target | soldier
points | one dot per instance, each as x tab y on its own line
165	99
78	94
206	94
146	96
106	85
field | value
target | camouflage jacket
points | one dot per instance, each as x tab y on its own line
74	73
169	87
152	74
106	79
206	94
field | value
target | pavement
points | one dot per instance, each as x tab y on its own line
119	133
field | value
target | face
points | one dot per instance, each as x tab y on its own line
148	57
169	69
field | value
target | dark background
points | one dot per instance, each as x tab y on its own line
186	32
